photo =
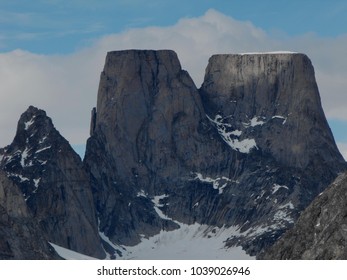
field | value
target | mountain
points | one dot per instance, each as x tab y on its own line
148	127
320	232
176	172
20	236
273	99
53	182
242	155
267	107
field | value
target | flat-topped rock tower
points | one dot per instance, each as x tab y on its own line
250	149
233	163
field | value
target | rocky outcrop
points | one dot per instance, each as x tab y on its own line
321	230
250	149
53	182
237	159
147	131
267	107
20	235
273	99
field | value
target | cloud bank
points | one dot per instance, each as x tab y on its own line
66	86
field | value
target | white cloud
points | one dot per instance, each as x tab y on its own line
66	86
194	39
343	149
327	55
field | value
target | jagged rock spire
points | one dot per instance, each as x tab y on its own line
53	182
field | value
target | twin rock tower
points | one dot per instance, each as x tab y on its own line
244	154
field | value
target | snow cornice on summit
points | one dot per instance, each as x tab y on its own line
268	53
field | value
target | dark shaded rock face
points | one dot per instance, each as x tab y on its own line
20	235
53	182
267	106
250	149
274	99
146	135
245	154
321	230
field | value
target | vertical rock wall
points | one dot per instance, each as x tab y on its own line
250	149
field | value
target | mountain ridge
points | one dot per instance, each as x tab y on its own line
243	146
243	155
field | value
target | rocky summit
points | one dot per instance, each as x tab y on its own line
272	100
247	151
54	184
149	138
174	172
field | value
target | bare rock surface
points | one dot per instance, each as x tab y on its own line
321	230
147	130
241	158
276	97
20	235
53	182
250	149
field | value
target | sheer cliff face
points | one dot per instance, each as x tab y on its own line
243	156
20	235
250	149
321	230
147	132
150	106
273	99
53	183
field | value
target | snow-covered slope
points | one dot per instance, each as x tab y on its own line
67	254
248	150
192	242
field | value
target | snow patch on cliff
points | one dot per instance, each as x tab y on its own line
280	117
24	156
156	201
231	137
255	121
29	123
218	183
276	187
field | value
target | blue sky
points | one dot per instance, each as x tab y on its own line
53	50
63	26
